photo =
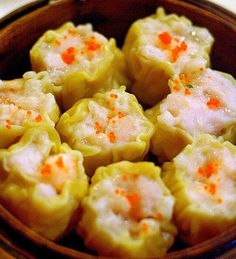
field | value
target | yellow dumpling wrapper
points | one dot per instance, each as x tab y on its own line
202	179
200	102
128	212
42	182
158	47
107	128
25	102
79	59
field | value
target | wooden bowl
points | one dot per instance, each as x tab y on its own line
111	18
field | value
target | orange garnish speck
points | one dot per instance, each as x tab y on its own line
121	115
112	137
115	96
159	216
213	103
60	162
46	169
68	56
165	37
38	118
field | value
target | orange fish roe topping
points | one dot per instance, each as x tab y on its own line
108	103
73	32
113	109
8	126
176	86
210	188
133	198
57	43
112	137
145	227
38	118
210	169
98	128
219	200
124	177
109	117
8	121
60	162
165	37
184	78
177	50
46	169
121	115
117	191
213	103
159	216
29	113
68	56
187	91
115	96
92	45
136	176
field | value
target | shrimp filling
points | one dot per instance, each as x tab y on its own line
178	44
208	175
109	123
76	48
133	203
198	105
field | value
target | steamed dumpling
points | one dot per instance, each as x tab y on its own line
128	212
107	128
25	102
81	60
42	182
200	102
160	46
203	180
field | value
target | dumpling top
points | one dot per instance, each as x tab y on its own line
39	158
129	207
173	39
42	181
201	102
160	46
80	60
111	126
25	100
71	48
202	178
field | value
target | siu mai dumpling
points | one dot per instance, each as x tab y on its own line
128	212
42	182
107	128
203	180
199	102
25	102
160	46
81	60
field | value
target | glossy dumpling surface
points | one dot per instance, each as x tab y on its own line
202	179
24	103
81	60
199	102
160	46
42	182
128	211
107	128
